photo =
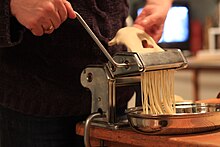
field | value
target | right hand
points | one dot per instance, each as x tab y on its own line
153	16
41	16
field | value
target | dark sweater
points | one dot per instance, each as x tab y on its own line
41	75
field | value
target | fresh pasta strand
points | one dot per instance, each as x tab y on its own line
158	92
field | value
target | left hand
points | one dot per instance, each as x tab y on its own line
41	16
152	18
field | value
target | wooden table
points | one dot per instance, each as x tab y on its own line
129	138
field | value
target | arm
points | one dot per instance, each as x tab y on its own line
152	18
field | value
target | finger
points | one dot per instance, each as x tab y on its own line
48	29
155	33
37	31
55	19
112	42
63	14
47	26
51	14
146	22
70	11
145	13
61	10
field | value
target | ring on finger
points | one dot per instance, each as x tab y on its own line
50	28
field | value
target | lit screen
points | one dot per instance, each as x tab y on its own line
176	27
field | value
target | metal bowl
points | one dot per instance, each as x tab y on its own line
189	118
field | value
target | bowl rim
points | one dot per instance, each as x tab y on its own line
136	111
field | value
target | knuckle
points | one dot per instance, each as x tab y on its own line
48	8
67	3
58	1
32	23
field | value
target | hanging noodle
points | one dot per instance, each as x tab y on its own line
158	92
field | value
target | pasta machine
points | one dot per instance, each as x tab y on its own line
123	69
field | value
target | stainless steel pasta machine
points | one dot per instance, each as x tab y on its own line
122	70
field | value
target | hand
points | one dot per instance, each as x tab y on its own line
41	16
152	18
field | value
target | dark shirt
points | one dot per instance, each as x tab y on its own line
41	75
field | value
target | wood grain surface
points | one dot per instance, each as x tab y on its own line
130	138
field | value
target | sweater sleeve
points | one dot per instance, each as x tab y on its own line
10	30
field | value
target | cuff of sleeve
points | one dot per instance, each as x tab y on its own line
10	30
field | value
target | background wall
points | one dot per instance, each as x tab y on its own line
200	9
205	12
209	84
